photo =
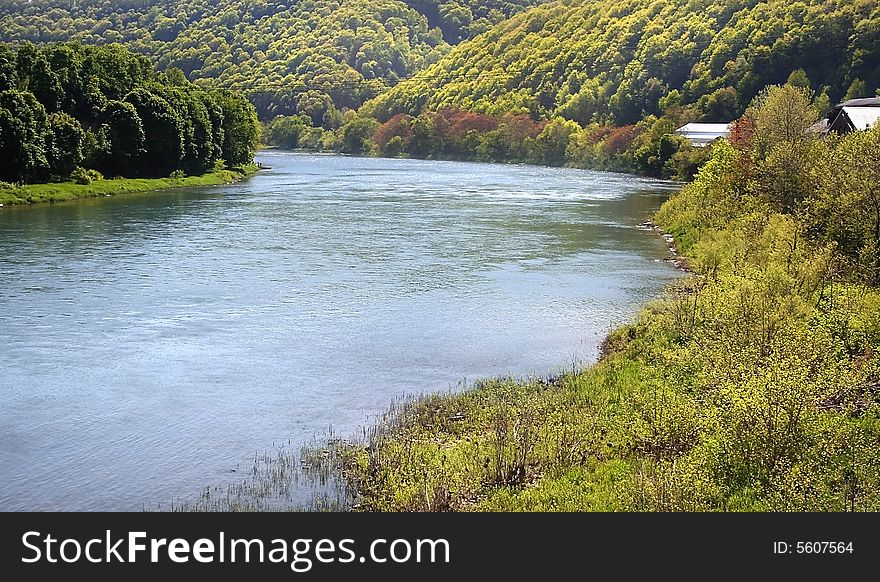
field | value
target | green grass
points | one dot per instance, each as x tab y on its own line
58	192
663	423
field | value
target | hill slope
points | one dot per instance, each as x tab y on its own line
619	60
287	55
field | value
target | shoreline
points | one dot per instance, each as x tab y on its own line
680	261
67	191
349	474
498	418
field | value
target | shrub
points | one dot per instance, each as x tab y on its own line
81	176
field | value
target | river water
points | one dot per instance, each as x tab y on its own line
150	344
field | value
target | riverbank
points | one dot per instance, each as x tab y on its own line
58	192
751	385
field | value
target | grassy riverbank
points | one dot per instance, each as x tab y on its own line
58	192
752	385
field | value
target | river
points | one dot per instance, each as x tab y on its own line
151	344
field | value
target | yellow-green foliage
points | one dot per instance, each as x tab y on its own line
600	60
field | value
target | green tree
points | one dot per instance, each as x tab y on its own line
123	139
798	78
197	130
494	146
822	103
8	68
720	106
163	132
285	131
424	141
848	207
357	135
36	76
24	129
241	129
64	150
215	115
857	89
584	105
551	144
783	148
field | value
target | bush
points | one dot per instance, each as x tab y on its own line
85	177
177	175
81	176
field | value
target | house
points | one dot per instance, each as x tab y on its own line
702	134
854	115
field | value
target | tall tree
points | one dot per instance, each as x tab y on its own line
240	127
24	128
163	132
64	150
123	132
783	148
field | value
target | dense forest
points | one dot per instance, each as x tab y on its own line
74	111
618	61
463	19
312	57
754	385
606	81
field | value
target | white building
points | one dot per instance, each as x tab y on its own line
854	115
855	119
702	134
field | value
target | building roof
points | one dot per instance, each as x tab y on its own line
720	128
863	102
701	134
862	117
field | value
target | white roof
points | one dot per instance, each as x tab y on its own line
862	117
719	128
701	134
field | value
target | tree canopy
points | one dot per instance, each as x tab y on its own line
285	55
617	61
68	106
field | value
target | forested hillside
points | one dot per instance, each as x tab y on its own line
620	60
314	57
463	19
68	110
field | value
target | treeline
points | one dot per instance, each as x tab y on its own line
754	385
648	147
68	110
